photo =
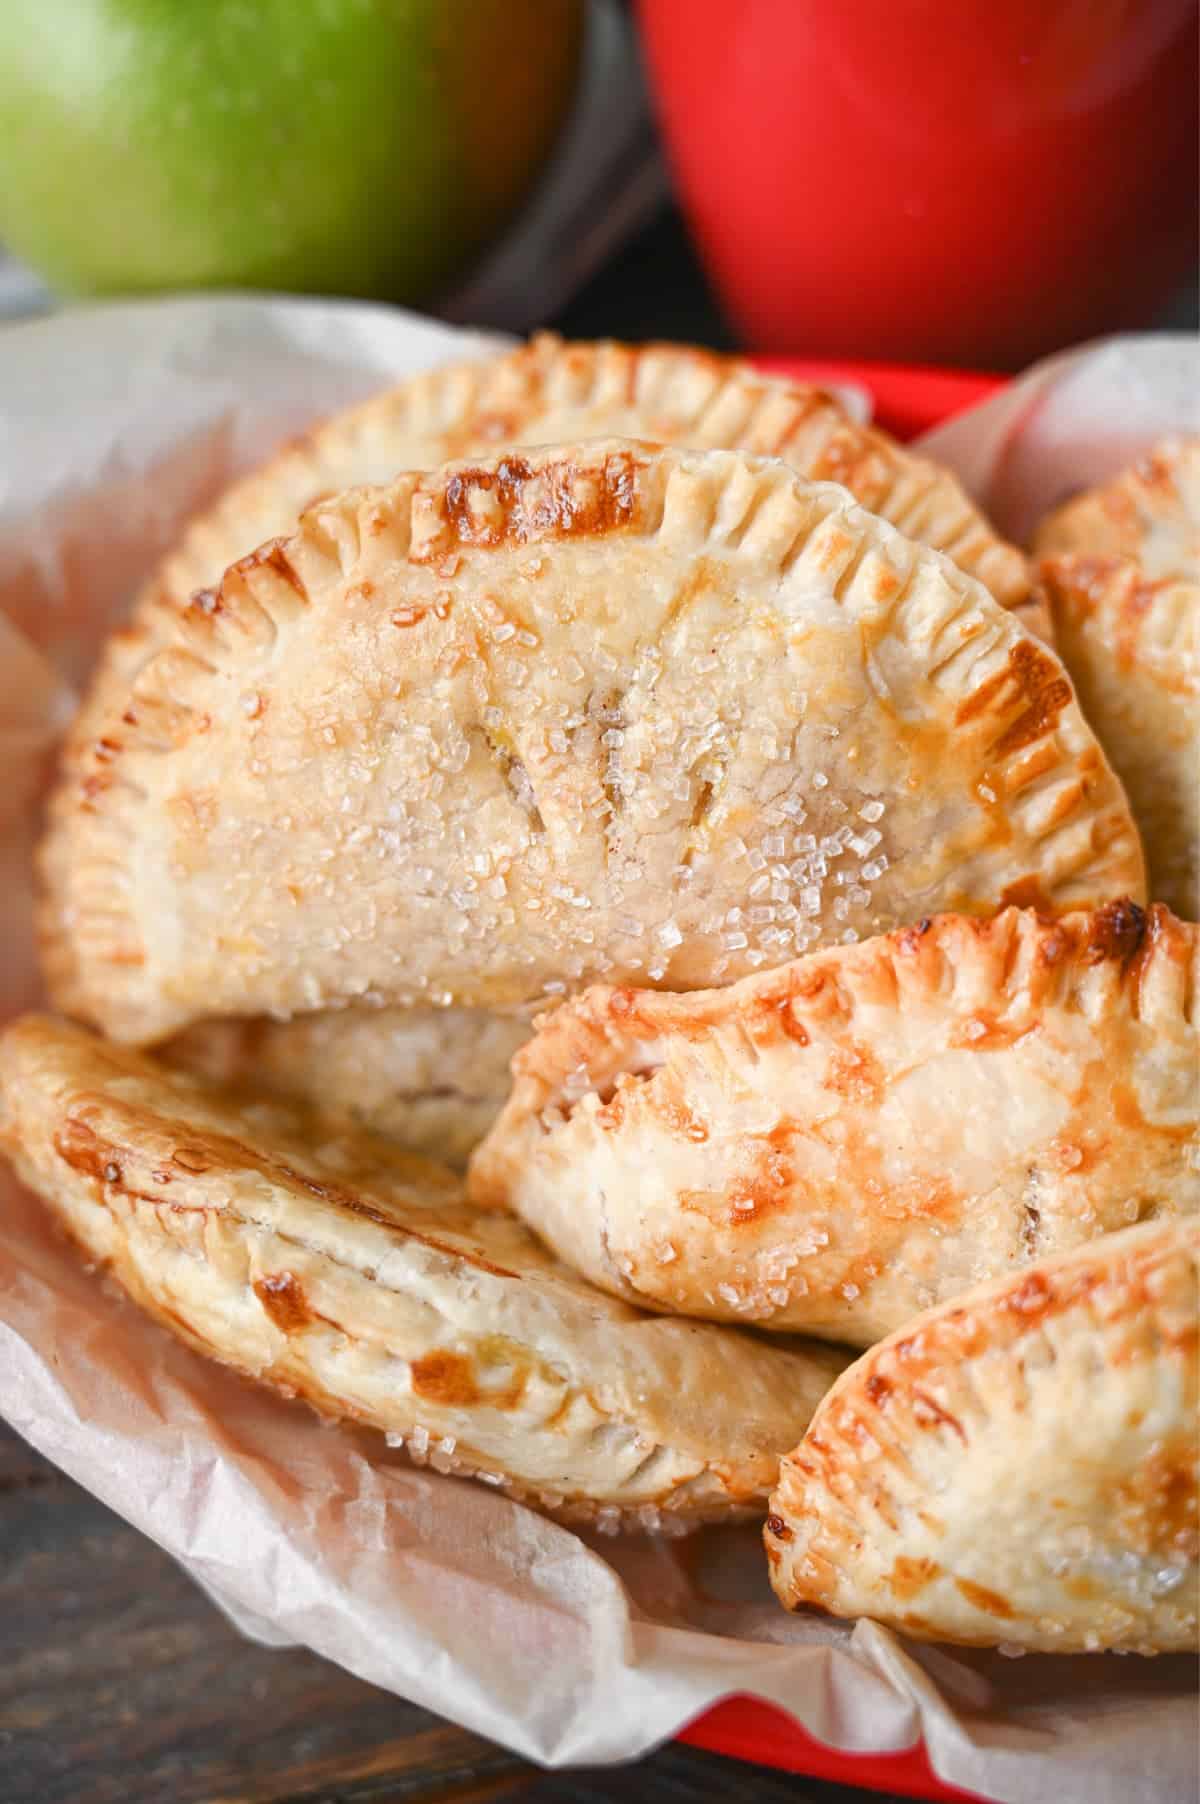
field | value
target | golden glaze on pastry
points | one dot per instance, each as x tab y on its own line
433	1079
1018	1467
407	1065
322	1260
588	712
869	1130
1148	515
547	392
1121	568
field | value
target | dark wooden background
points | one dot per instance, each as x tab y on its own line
121	1684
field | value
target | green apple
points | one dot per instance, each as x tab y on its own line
363	147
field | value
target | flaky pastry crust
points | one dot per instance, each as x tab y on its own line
868	1131
551	392
543	392
1121	569
498	729
1017	1468
432	1079
326	1262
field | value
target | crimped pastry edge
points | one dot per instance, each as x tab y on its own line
1010	972
77	1126
859	1461
556	493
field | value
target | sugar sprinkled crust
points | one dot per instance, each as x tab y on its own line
1018	1468
545	391
432	1079
406	755
551	392
327	1263
1121	569
833	1146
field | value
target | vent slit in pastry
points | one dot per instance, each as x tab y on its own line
280	856
541	393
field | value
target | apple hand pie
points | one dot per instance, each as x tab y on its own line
324	1261
547	392
540	393
432	1079
597	711
1121	568
839	1143
1018	1467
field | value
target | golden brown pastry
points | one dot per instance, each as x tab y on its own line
548	392
837	1144
323	1260
496	730
433	1079
1121	568
545	391
1018	1467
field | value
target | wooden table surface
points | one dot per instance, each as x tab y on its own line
121	1684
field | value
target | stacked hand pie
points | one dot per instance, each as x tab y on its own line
661	696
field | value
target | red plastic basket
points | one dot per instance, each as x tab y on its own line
908	401
748	1729
909	398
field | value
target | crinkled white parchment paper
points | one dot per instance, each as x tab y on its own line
115	424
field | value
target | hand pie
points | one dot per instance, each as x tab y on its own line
542	392
324	1261
547	392
588	712
1121	568
869	1130
1018	1467
433	1079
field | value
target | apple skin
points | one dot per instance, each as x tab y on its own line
357	147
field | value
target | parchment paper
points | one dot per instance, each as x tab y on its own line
115	423
603	181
